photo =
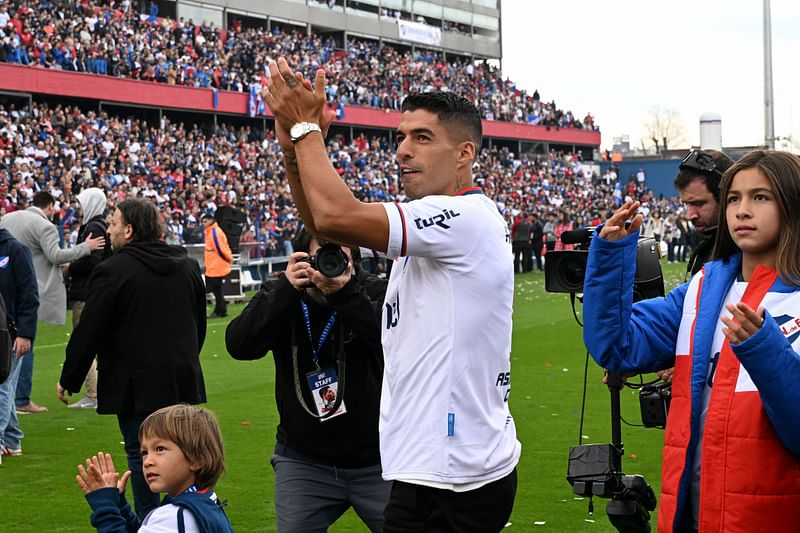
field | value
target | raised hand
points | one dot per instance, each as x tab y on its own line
614	228
743	324
293	99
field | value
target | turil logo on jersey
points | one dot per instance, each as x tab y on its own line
438	220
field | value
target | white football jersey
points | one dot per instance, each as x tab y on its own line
447	342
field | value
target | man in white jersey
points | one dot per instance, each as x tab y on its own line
447	439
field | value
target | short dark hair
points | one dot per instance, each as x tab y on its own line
144	219
197	434
43	199
711	179
456	113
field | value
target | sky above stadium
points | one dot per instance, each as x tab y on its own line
619	59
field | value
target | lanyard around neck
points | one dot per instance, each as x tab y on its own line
322	337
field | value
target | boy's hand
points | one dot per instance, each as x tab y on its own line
99	473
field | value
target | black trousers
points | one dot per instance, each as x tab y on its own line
522	257
214	286
417	508
143	499
537	253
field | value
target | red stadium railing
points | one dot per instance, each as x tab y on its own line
134	92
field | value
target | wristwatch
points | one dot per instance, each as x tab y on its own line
301	129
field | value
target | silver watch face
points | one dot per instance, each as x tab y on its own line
298	130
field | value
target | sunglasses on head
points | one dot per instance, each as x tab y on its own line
700	161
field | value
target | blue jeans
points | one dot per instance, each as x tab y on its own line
24	385
144	500
10	433
309	497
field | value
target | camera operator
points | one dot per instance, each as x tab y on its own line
697	184
312	324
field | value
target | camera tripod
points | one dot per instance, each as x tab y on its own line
629	506
596	470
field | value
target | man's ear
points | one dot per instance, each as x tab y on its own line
128	232
466	154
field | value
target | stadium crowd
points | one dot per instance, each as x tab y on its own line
111	38
188	171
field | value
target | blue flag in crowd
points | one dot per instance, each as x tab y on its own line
215	98
339	111
261	108
252	105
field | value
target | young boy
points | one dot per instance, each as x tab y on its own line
182	456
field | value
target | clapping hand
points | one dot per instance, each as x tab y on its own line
293	99
99	473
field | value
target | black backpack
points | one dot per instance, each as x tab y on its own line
6	336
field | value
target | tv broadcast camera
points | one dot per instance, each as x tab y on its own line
596	469
565	271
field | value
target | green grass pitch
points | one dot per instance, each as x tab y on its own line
38	490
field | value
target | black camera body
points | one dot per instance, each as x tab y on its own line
330	260
654	403
564	271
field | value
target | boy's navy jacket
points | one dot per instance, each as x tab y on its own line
111	512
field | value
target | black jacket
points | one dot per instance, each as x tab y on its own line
273	320
81	269
537	232
18	284
145	319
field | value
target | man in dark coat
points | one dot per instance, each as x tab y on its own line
93	205
145	319
521	244
21	298
537	239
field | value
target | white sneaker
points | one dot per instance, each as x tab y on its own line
84	403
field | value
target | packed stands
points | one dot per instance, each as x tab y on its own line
111	38
188	170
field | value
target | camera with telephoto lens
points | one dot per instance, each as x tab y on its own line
330	260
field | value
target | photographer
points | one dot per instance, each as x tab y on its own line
312	324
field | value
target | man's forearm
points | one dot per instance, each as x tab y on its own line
326	195
298	194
